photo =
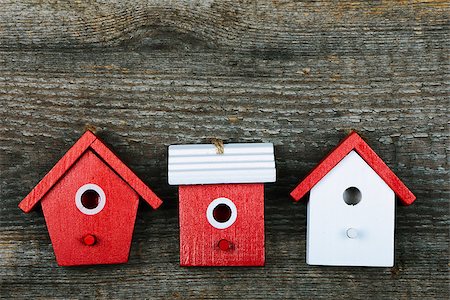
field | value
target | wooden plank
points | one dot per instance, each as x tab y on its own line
201	234
298	74
142	102
238	163
277	28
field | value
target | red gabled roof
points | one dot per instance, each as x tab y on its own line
88	141
354	142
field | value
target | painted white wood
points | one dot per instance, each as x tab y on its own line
351	235
240	163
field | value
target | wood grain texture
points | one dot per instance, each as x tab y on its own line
112	227
298	74
199	239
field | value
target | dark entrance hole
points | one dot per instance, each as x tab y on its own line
222	213
90	199
352	195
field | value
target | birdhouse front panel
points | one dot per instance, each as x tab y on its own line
351	215
90	214
221	202
222	225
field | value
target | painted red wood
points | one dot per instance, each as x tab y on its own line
225	245
241	244
112	227
354	142
117	165
88	140
89	239
57	171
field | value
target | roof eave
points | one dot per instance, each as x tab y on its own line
58	170
86	141
354	142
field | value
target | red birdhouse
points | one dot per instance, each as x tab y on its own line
90	200
221	202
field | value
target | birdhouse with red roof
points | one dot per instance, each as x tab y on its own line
351	207
90	200
221	202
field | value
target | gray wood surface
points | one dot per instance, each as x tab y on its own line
300	74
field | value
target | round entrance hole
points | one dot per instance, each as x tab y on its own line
222	213
352	196
90	199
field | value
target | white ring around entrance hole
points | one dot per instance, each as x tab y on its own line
210	213
101	200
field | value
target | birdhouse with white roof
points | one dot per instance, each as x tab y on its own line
221	201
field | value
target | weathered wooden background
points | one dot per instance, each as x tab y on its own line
299	74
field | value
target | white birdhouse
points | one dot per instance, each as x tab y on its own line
351	208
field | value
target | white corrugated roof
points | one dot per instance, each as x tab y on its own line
240	163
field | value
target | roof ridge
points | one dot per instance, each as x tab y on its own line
353	142
86	141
